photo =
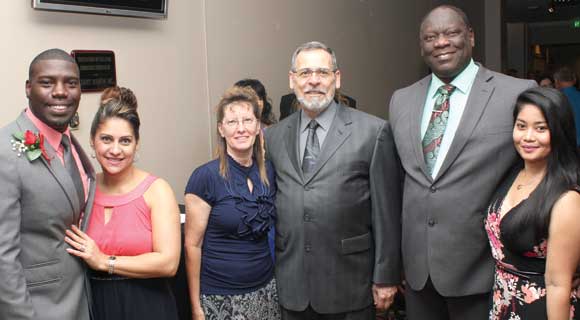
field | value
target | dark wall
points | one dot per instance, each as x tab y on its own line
475	10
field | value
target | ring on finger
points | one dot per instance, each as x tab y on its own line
83	248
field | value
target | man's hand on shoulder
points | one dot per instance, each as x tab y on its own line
383	295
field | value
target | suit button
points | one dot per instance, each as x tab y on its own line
307	248
431	222
307	188
433	189
307	217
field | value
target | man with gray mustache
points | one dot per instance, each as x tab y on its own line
338	200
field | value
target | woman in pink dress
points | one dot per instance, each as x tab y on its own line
132	241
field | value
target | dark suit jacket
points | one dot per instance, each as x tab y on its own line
38	202
338	229
289	104
443	234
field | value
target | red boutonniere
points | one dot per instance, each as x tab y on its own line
30	144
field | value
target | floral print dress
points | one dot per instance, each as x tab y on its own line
519	290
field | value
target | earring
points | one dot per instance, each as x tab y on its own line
136	157
93	155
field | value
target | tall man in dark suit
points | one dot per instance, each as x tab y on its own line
47	182
453	132
338	201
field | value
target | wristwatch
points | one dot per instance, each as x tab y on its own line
112	260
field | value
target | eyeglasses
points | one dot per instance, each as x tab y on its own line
234	123
306	73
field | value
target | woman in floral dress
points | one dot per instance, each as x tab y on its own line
533	222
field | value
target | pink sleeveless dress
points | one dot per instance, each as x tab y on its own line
127	233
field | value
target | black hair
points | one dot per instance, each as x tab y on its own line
51	54
267	116
545	76
562	171
117	102
459	12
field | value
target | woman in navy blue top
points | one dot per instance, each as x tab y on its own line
230	209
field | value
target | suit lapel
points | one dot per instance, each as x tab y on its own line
338	132
417	107
55	167
477	101
292	143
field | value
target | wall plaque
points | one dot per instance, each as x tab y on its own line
97	69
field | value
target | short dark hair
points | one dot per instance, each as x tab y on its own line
563	168
565	74
545	76
457	10
51	54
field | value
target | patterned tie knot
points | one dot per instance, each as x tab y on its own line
446	89
312	125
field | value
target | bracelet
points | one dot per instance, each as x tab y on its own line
112	260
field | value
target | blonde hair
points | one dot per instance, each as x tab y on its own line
241	95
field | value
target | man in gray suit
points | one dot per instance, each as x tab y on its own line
453	132
44	191
338	201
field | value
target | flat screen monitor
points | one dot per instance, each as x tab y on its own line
132	8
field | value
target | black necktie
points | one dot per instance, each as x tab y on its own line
312	148
72	169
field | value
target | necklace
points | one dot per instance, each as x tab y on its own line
521	186
532	181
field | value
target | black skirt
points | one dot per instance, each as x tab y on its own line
119	298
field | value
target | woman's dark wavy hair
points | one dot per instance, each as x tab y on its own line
562	172
267	116
117	102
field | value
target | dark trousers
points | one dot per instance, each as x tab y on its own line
310	314
428	304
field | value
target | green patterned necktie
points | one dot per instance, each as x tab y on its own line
437	124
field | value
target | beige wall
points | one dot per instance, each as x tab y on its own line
376	43
163	61
180	66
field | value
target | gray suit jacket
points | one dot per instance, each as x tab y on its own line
38	202
443	234
338	229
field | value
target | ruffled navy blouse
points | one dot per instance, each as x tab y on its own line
235	254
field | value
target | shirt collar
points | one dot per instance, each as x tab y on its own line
324	119
53	137
462	81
